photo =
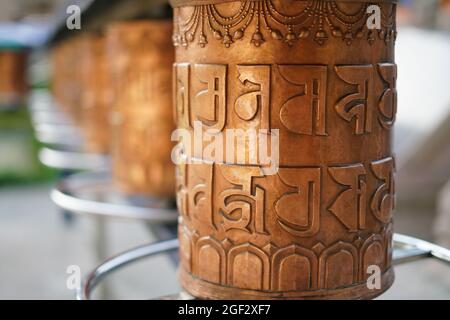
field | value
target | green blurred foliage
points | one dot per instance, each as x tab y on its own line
17	120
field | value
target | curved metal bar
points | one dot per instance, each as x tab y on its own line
87	193
49	117
412	249
41	104
59	140
61	129
121	260
71	160
406	255
58	134
81	206
177	296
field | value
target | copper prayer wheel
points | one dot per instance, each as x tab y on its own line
96	93
142	56
320	75
13	84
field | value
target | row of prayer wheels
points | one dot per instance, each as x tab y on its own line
314	82
13	83
116	86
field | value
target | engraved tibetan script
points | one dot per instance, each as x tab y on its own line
304	112
244	202
209	105
350	205
297	92
298	212
255	100
356	105
383	200
388	101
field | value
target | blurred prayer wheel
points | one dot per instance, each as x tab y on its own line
320	76
13	84
142	56
57	74
95	94
67	76
60	82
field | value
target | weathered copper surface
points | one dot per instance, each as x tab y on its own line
13	84
142	56
96	94
314	71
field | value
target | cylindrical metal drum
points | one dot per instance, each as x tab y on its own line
13	84
317	79
96	92
142	56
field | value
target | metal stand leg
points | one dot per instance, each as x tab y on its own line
100	240
119	261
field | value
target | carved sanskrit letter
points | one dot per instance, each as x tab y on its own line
298	212
350	205
197	200
304	113
388	100
383	200
243	203
257	100
209	105
181	94
356	105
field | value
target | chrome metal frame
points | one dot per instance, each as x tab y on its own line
73	160
59	140
69	192
406	249
39	100
51	125
49	117
120	261
412	249
64	136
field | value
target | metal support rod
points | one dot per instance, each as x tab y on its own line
90	193
71	160
121	260
414	249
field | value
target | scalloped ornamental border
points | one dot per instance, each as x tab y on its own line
186	33
181	3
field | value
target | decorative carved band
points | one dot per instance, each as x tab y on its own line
297	111
355	197
181	3
317	20
283	268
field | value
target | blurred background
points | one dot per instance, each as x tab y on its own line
38	241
